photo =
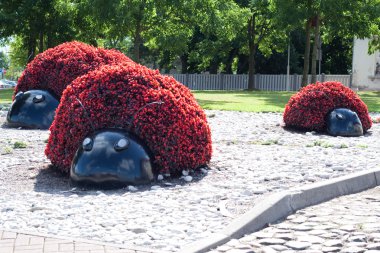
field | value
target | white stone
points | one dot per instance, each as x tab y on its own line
204	171
160	177
188	178
132	188
297	245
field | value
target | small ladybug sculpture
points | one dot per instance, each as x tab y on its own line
48	75
327	107
33	109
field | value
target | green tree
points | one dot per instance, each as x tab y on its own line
331	18
39	24
118	23
262	32
4	61
222	28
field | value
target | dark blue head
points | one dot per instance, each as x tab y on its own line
33	109
111	158
344	122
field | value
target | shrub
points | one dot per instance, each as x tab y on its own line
307	109
57	67
176	131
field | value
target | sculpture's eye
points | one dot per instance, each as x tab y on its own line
87	144
121	144
19	95
339	116
38	98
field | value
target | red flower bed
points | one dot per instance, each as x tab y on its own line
308	108
176	131
57	67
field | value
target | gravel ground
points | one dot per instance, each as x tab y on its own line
253	156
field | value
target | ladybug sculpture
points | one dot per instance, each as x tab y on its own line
123	124
33	109
327	107
48	75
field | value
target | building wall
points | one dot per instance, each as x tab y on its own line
365	67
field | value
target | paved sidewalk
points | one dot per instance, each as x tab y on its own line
13	242
348	224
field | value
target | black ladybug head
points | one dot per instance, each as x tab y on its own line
344	122
33	109
111	158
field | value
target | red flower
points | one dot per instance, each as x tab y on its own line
176	131
308	108
57	67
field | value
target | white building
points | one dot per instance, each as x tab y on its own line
365	67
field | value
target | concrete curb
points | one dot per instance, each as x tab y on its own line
280	205
121	246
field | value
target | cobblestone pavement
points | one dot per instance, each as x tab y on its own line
11	242
348	224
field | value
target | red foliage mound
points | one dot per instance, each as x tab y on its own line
308	108
176	131
57	67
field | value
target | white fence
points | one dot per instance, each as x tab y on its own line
262	82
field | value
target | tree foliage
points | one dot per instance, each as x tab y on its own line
329	18
4	61
192	36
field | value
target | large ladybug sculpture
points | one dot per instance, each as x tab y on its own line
123	124
40	86
327	107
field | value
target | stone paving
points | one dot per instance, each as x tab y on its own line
12	242
349	224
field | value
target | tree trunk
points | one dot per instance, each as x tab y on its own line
41	42
252	52
251	69
137	43
184	63
242	64
306	59
214	66
230	59
49	41
315	51
32	43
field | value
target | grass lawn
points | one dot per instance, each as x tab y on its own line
247	101
263	101
6	96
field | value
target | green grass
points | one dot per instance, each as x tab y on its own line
263	101
6	96
20	144
372	100
247	101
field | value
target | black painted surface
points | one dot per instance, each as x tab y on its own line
33	109
344	122
111	158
